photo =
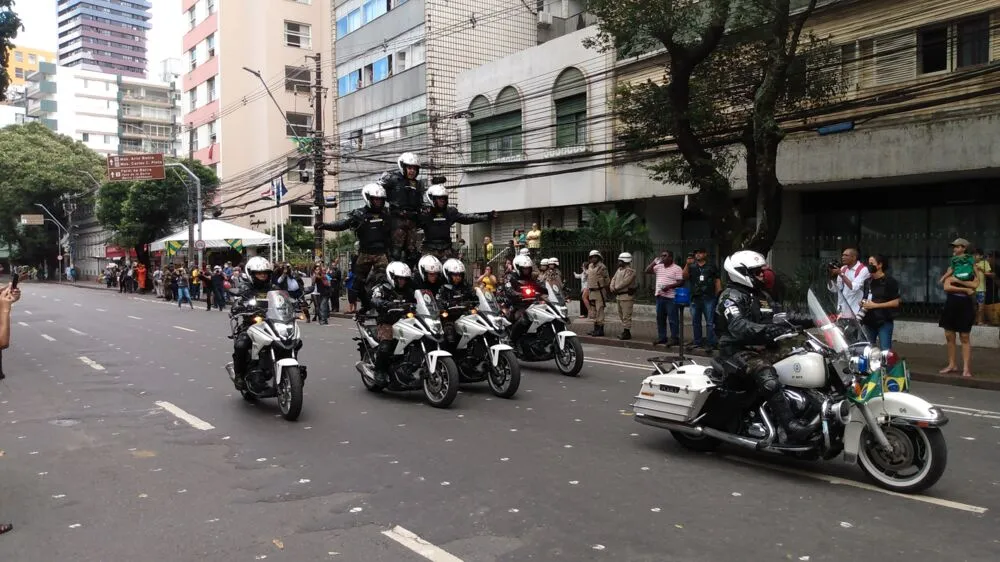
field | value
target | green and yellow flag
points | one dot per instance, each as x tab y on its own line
235	244
173	247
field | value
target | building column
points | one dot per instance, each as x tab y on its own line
787	249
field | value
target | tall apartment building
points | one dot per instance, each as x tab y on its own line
912	168
24	61
396	66
104	35
230	122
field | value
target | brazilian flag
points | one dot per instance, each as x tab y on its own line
173	247
897	379
235	243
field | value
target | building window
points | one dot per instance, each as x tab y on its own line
107	139
933	49
973	41
211	6
299	124
193	57
212	135
194	99
194	141
32	59
497	134
374	8
210	86
400	61
298	35
192	18
298	79
357	138
18	72
570	97
85	137
18	56
210	45
382	68
349	83
349	23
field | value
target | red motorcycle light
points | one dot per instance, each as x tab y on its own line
891	359
529	292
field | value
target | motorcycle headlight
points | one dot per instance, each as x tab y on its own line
874	356
434	326
284	330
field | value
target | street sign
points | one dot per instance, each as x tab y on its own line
60	257
199	245
135	167
33	220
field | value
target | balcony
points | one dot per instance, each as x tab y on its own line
159	100
148	114
41	90
39	107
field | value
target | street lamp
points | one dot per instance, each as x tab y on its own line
61	228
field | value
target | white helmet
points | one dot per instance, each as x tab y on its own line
453	267
545	262
257	264
594	253
625	257
428	264
372	191
408	159
437	191
743	268
521	262
397	270
523	252
553	262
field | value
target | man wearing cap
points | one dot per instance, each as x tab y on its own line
705	288
597	282
959	313
623	287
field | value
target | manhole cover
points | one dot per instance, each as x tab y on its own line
64	423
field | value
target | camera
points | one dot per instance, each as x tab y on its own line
834	264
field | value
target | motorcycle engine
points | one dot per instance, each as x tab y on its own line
804	403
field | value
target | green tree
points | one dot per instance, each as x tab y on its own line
39	166
620	231
10	25
734	69
139	212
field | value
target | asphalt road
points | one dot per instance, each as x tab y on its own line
94	469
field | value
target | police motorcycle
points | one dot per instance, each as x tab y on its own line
547	337
841	384
274	369
418	361
477	338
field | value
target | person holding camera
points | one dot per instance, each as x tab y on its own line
8	296
847	281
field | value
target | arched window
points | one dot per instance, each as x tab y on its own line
570	99
496	130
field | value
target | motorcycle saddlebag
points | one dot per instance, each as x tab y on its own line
676	396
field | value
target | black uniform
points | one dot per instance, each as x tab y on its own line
406	199
513	291
385	298
741	324
462	293
374	231
436	224
241	341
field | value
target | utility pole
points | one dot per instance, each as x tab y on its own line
319	172
190	249
197	187
68	207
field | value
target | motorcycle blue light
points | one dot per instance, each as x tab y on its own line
863	365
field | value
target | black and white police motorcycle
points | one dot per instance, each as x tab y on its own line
274	369
418	361
842	384
479	344
547	337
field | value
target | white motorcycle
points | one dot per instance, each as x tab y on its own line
274	369
842	388
475	335
418	362
547	337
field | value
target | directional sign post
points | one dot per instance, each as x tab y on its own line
33	220
135	167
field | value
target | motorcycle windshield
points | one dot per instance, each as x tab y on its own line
487	303
280	307
838	333
426	303
555	294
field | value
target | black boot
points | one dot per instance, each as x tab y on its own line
383	358
626	334
796	431
598	330
240	369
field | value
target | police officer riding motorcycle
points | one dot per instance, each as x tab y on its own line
436	223
406	199
254	284
747	334
386	297
520	290
429	269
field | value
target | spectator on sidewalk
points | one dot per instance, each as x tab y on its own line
880	302
847	283
668	277
623	286
960	282
706	285
8	296
158	281
584	297
219	287
336	282
534	240
985	272
184	288
321	295
488	248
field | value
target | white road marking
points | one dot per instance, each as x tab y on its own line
22	324
93	364
77	304
78	332
419	545
101	310
194	421
135	318
868	487
183	328
51	321
613	363
48	337
28	312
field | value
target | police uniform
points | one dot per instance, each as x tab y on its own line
406	199
436	224
374	232
623	286
597	282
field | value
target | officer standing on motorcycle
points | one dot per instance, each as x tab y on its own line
520	290
387	298
597	282
436	223
741	326
429	270
373	227
254	284
406	200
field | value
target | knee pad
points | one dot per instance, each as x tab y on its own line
767	381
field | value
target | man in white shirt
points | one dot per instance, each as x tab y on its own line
848	283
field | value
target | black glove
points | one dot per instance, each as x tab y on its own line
319	225
773	331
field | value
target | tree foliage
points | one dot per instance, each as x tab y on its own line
734	70
139	212
623	231
10	25
38	166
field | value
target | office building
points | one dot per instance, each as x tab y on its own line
106	36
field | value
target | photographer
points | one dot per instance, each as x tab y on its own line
8	296
847	281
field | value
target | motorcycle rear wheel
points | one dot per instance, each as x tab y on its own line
911	446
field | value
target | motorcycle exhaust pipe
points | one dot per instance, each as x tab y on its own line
699	431
231	371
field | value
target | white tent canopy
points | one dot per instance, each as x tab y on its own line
215	233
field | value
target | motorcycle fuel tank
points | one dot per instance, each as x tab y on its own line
802	370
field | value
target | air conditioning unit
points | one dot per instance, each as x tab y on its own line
544	18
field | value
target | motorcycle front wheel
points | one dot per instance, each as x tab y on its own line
290	393
569	360
506	376
918	458
441	386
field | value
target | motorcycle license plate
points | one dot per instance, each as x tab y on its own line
668	388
